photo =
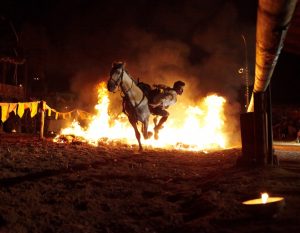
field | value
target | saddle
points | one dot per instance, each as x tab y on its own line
148	91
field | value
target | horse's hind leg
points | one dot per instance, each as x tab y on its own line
137	133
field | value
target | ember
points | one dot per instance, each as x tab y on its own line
192	128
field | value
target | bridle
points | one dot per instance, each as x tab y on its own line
119	81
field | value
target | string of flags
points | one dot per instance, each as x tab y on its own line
67	115
19	109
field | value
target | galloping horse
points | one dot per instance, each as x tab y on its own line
135	103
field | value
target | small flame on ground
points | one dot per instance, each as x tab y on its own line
193	128
264	198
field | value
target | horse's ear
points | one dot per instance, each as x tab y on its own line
114	64
118	64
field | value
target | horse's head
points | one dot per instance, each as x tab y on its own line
116	76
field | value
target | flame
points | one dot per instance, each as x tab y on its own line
264	198
192	128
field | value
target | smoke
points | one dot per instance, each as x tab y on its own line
198	43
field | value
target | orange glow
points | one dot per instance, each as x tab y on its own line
196	128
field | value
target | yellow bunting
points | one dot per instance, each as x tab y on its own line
47	106
20	109
12	107
27	105
4	109
34	108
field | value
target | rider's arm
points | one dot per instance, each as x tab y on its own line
169	98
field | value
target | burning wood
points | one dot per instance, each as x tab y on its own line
73	139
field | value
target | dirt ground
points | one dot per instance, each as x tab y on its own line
53	188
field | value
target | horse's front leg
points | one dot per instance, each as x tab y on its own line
147	134
137	133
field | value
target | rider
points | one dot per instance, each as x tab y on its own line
162	100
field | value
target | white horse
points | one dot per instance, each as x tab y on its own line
135	103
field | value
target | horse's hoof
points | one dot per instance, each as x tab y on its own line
149	134
137	152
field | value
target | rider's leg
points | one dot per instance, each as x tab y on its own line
164	116
161	122
155	119
158	112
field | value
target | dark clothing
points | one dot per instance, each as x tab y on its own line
159	111
150	94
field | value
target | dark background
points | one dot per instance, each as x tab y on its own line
71	44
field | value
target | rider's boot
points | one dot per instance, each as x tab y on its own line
156	131
159	126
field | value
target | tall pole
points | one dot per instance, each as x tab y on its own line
246	72
42	120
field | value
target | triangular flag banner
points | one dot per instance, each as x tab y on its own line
64	115
4	113
12	107
20	109
27	105
47	106
70	115
34	108
49	112
56	115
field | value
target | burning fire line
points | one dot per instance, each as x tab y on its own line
193	129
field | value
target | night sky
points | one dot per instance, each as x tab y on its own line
75	42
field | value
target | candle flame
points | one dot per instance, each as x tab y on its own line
264	198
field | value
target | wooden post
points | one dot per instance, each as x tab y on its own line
248	142
42	119
260	128
271	157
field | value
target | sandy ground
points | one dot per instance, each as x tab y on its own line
47	187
